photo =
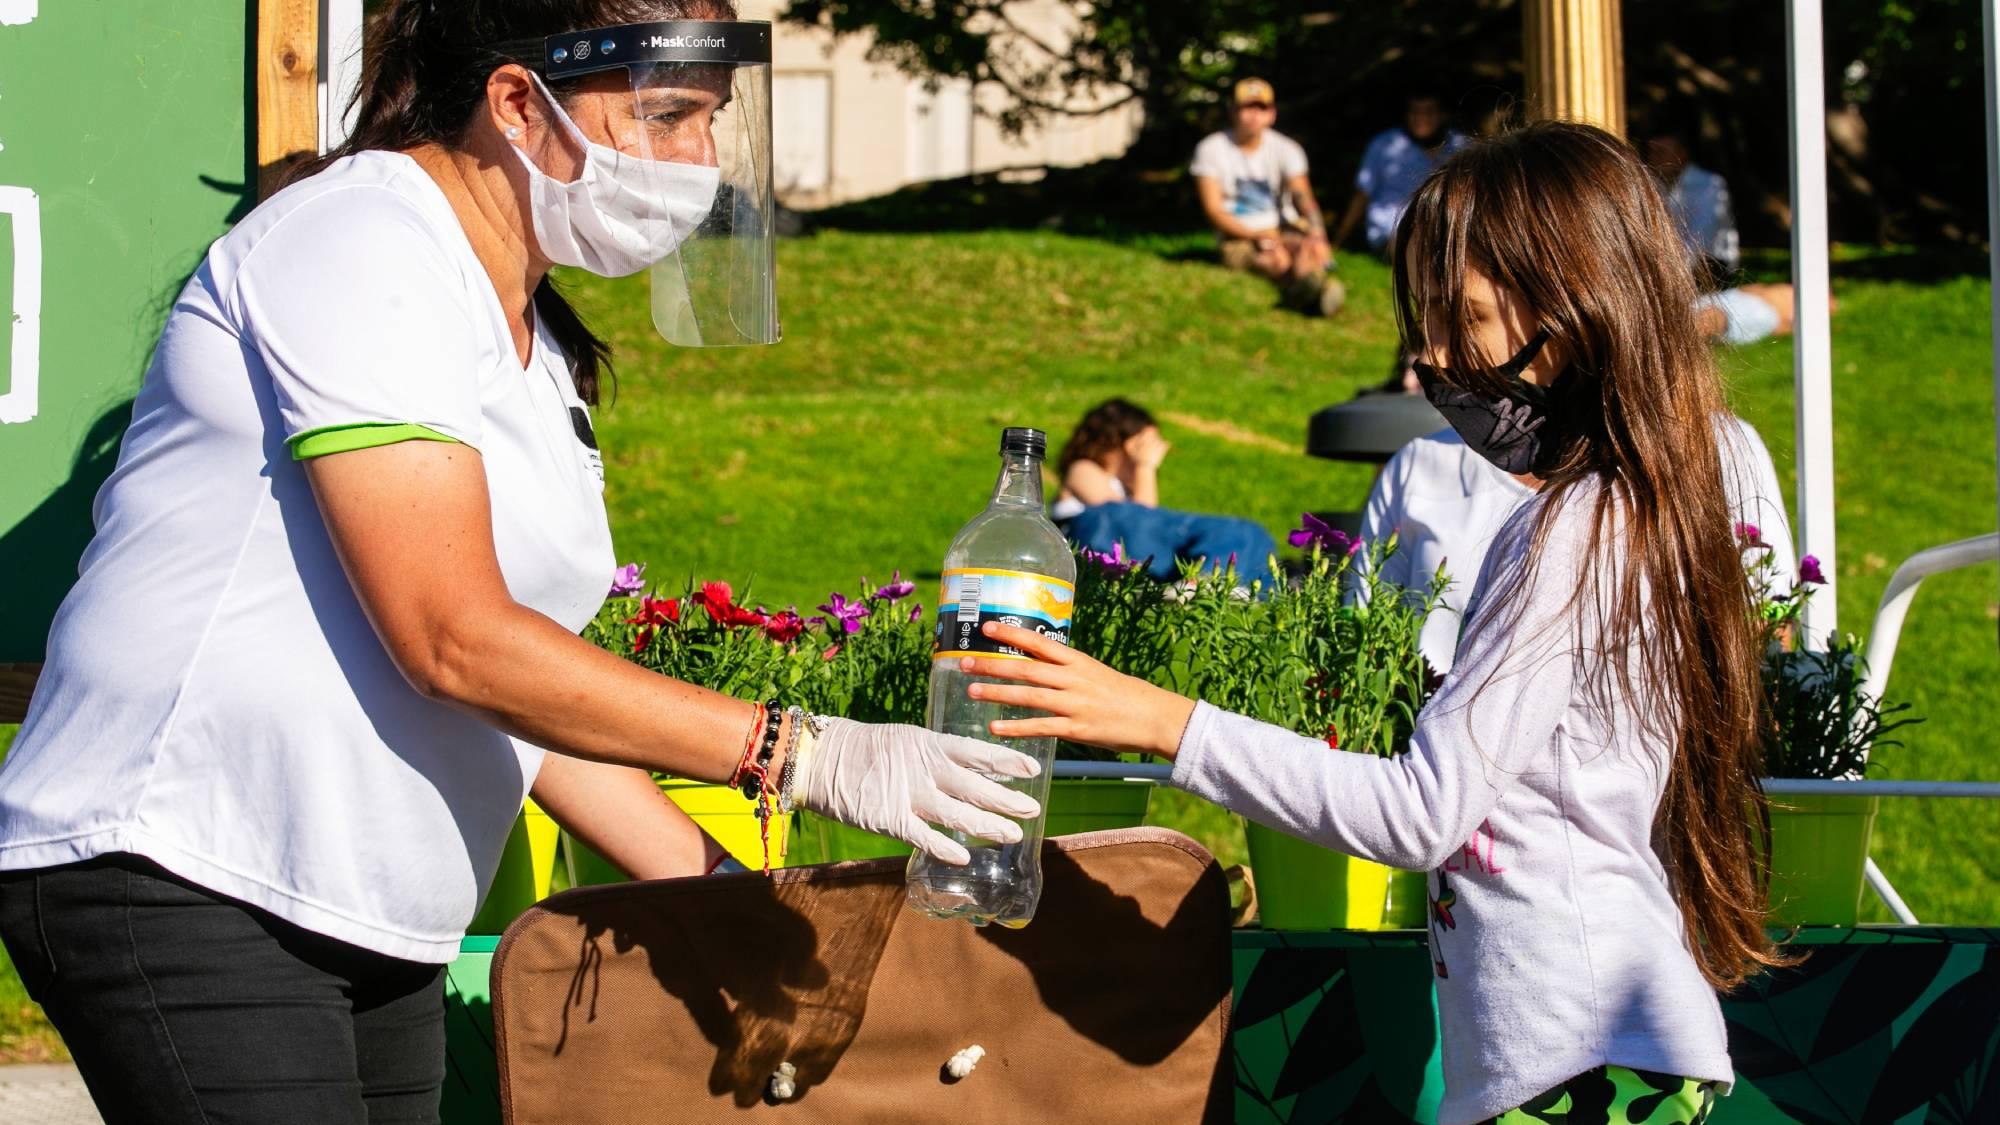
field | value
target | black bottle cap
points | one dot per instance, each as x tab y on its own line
1021	439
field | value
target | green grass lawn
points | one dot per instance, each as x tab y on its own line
862	443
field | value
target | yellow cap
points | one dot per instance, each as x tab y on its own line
1255	91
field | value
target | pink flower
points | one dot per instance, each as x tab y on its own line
1749	535
1315	532
917	612
1809	572
1110	562
843	614
895	591
628	580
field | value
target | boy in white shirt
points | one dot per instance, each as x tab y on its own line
1446	504
1255	192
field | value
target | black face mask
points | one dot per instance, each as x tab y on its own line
1523	429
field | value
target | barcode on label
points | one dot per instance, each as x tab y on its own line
968	600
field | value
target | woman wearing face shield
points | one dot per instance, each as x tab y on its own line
325	639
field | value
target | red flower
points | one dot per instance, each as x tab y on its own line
1332	737
785	627
655	612
719	601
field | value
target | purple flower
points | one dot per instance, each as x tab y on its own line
894	592
1749	534
843	613
1316	532
1112	561
917	612
628	580
1810	573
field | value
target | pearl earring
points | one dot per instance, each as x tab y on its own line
513	131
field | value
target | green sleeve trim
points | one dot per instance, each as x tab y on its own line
359	435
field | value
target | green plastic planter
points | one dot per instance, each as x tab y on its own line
1819	852
1075	805
1302	886
527	865
1407	907
721	812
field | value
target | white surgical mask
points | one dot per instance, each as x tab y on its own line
622	213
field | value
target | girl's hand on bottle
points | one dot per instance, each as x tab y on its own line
1086	702
898	780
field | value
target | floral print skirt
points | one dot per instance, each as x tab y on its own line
1613	1095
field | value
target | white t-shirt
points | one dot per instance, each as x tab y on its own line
1253	183
1068	506
1445	504
1528	794
1700	202
1392	169
214	698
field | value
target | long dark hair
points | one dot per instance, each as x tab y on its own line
423	76
1108	426
1568	217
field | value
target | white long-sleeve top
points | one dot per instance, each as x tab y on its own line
1528	793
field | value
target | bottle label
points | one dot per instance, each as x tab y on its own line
972	596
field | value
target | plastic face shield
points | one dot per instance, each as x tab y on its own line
701	99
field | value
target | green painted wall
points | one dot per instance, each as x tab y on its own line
128	120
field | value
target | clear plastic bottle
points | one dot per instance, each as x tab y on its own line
1009	564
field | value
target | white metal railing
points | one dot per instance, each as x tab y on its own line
1902	590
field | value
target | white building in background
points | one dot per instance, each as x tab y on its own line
846	128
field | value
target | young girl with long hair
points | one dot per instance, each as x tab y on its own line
1598	734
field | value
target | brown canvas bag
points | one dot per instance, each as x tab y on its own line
675	1001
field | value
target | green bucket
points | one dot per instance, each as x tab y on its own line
1819	853
722	812
527	865
1302	886
1075	805
1408	903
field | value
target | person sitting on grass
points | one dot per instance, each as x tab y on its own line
1111	501
1699	200
1394	164
1254	190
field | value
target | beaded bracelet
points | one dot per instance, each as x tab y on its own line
749	746
750	778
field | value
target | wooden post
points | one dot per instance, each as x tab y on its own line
287	87
1574	60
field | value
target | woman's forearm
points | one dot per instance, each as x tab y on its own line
527	675
625	818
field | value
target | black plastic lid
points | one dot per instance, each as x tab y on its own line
1022	439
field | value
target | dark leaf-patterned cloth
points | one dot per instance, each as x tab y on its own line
1877	1024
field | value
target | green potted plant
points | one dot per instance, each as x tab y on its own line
704	635
1325	659
1820	725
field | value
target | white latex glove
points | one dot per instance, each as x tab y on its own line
898	780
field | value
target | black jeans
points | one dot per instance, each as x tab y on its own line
185	1008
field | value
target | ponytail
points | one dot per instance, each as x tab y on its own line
423	76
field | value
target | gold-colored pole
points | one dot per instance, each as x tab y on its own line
1574	59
